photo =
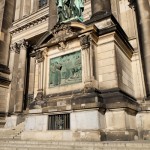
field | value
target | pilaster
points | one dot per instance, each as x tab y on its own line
40	72
85	42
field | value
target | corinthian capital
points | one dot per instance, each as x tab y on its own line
15	48
85	41
39	56
24	44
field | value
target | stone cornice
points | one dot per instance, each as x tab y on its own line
4	81
30	21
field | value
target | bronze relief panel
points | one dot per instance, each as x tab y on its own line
65	69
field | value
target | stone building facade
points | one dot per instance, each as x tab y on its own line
78	81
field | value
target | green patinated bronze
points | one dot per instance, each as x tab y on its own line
69	10
66	69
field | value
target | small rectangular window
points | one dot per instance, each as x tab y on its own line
59	122
42	3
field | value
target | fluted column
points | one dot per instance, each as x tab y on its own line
21	76
142	9
18	9
26	7
87	54
34	6
100	7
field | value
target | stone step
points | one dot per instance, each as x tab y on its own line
12	133
41	145
29	148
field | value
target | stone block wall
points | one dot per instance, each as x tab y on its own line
106	64
124	71
4	92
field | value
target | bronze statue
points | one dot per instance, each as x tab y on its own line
69	10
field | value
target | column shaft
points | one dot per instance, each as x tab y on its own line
21	77
142	9
13	66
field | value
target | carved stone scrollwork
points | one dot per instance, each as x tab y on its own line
61	32
61	29
15	48
39	101
62	45
85	41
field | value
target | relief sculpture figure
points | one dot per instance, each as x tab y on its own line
66	69
57	74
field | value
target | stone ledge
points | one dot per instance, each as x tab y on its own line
4	81
122	135
4	69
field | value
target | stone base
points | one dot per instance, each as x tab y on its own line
126	135
13	121
143	122
145	134
2	120
61	135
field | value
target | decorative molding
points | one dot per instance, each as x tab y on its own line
30	21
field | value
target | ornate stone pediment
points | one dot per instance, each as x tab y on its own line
61	33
